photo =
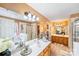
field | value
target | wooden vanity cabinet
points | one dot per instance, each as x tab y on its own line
46	51
60	39
41	54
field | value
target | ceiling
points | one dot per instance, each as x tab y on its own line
56	10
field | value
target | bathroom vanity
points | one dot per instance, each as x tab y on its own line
61	39
38	47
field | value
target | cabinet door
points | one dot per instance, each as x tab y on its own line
60	40
65	41
46	49
53	39
41	54
46	53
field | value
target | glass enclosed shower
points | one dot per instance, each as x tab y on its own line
75	37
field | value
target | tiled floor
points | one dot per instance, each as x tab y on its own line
59	50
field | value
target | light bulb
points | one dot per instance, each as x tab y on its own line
37	18
33	18
29	15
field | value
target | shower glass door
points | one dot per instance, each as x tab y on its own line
75	37
76	31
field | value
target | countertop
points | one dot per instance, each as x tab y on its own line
60	35
37	47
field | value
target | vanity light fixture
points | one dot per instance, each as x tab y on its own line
30	17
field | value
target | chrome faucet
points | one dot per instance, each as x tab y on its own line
21	43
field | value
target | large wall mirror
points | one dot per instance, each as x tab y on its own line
11	28
60	30
15	31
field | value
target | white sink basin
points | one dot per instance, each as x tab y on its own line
25	52
37	43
